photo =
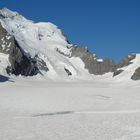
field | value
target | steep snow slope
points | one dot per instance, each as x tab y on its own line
129	70
47	42
44	40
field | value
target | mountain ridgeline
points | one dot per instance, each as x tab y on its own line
42	48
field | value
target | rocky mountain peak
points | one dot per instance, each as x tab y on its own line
6	13
43	48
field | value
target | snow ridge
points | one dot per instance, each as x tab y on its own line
43	39
48	42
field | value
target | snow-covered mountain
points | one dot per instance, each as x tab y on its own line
28	48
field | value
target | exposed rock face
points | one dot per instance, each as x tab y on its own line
126	61
6	41
117	72
91	62
136	75
42	66
50	38
21	63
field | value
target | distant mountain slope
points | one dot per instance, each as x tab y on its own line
42	48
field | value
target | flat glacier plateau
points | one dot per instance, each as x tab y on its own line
82	110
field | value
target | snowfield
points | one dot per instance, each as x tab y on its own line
33	109
65	102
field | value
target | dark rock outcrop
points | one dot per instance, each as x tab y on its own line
126	61
6	41
117	72
91	62
68	72
20	62
42	66
136	75
23	64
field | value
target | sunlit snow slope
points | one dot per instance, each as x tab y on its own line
44	40
48	42
129	70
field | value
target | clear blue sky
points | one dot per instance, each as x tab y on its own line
110	28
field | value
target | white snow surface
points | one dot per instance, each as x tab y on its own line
33	109
48	42
43	39
57	107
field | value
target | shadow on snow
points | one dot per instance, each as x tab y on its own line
4	79
53	114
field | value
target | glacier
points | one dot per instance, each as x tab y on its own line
51	89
